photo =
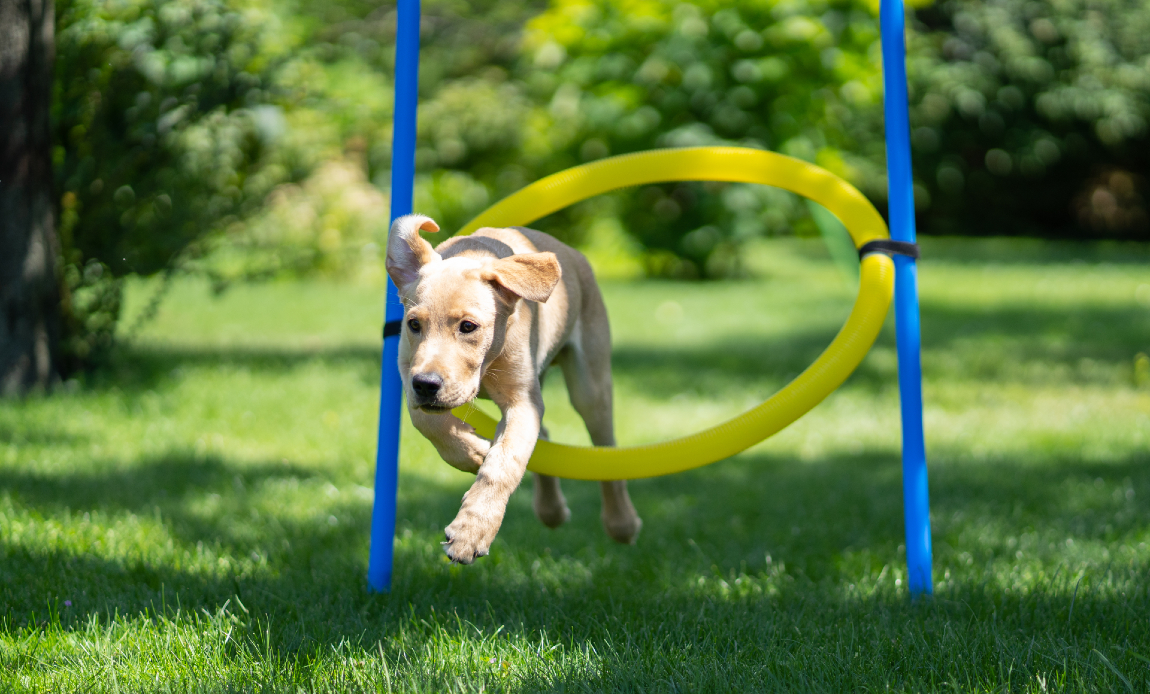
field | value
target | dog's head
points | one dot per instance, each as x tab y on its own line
457	311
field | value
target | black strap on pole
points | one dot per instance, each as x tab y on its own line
889	247
392	328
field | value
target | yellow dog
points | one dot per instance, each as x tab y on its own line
486	315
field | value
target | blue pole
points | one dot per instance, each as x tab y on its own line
901	211
391	387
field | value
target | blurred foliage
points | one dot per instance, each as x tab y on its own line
1030	117
336	97
338	88
159	134
333	223
625	75
90	309
248	140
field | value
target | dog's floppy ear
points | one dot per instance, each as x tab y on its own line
407	251
532	276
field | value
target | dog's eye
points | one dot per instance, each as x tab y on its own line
467	327
413	325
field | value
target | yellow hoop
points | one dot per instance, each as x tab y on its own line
820	379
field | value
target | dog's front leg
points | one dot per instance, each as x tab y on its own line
474	528
456	440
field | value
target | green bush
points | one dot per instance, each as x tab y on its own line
333	223
335	91
1030	117
160	130
175	120
472	113
620	76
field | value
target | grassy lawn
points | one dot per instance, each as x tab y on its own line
195	517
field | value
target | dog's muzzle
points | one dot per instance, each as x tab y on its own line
426	387
428	394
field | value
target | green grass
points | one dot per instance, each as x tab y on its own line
195	517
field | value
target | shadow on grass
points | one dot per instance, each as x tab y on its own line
1044	336
730	515
742	569
1019	251
202	501
171	478
1046	333
698	588
39	436
140	367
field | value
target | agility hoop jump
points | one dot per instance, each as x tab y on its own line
732	164
885	265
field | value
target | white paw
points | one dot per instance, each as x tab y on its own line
469	537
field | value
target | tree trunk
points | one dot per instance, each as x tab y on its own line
29	287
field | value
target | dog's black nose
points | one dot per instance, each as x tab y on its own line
426	385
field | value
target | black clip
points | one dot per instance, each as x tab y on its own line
889	247
392	328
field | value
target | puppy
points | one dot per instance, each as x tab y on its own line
486	315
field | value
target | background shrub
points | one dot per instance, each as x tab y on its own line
1030	117
253	141
158	137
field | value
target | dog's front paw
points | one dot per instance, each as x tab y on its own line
469	537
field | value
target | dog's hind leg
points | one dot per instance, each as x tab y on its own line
548	502
620	519
586	367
